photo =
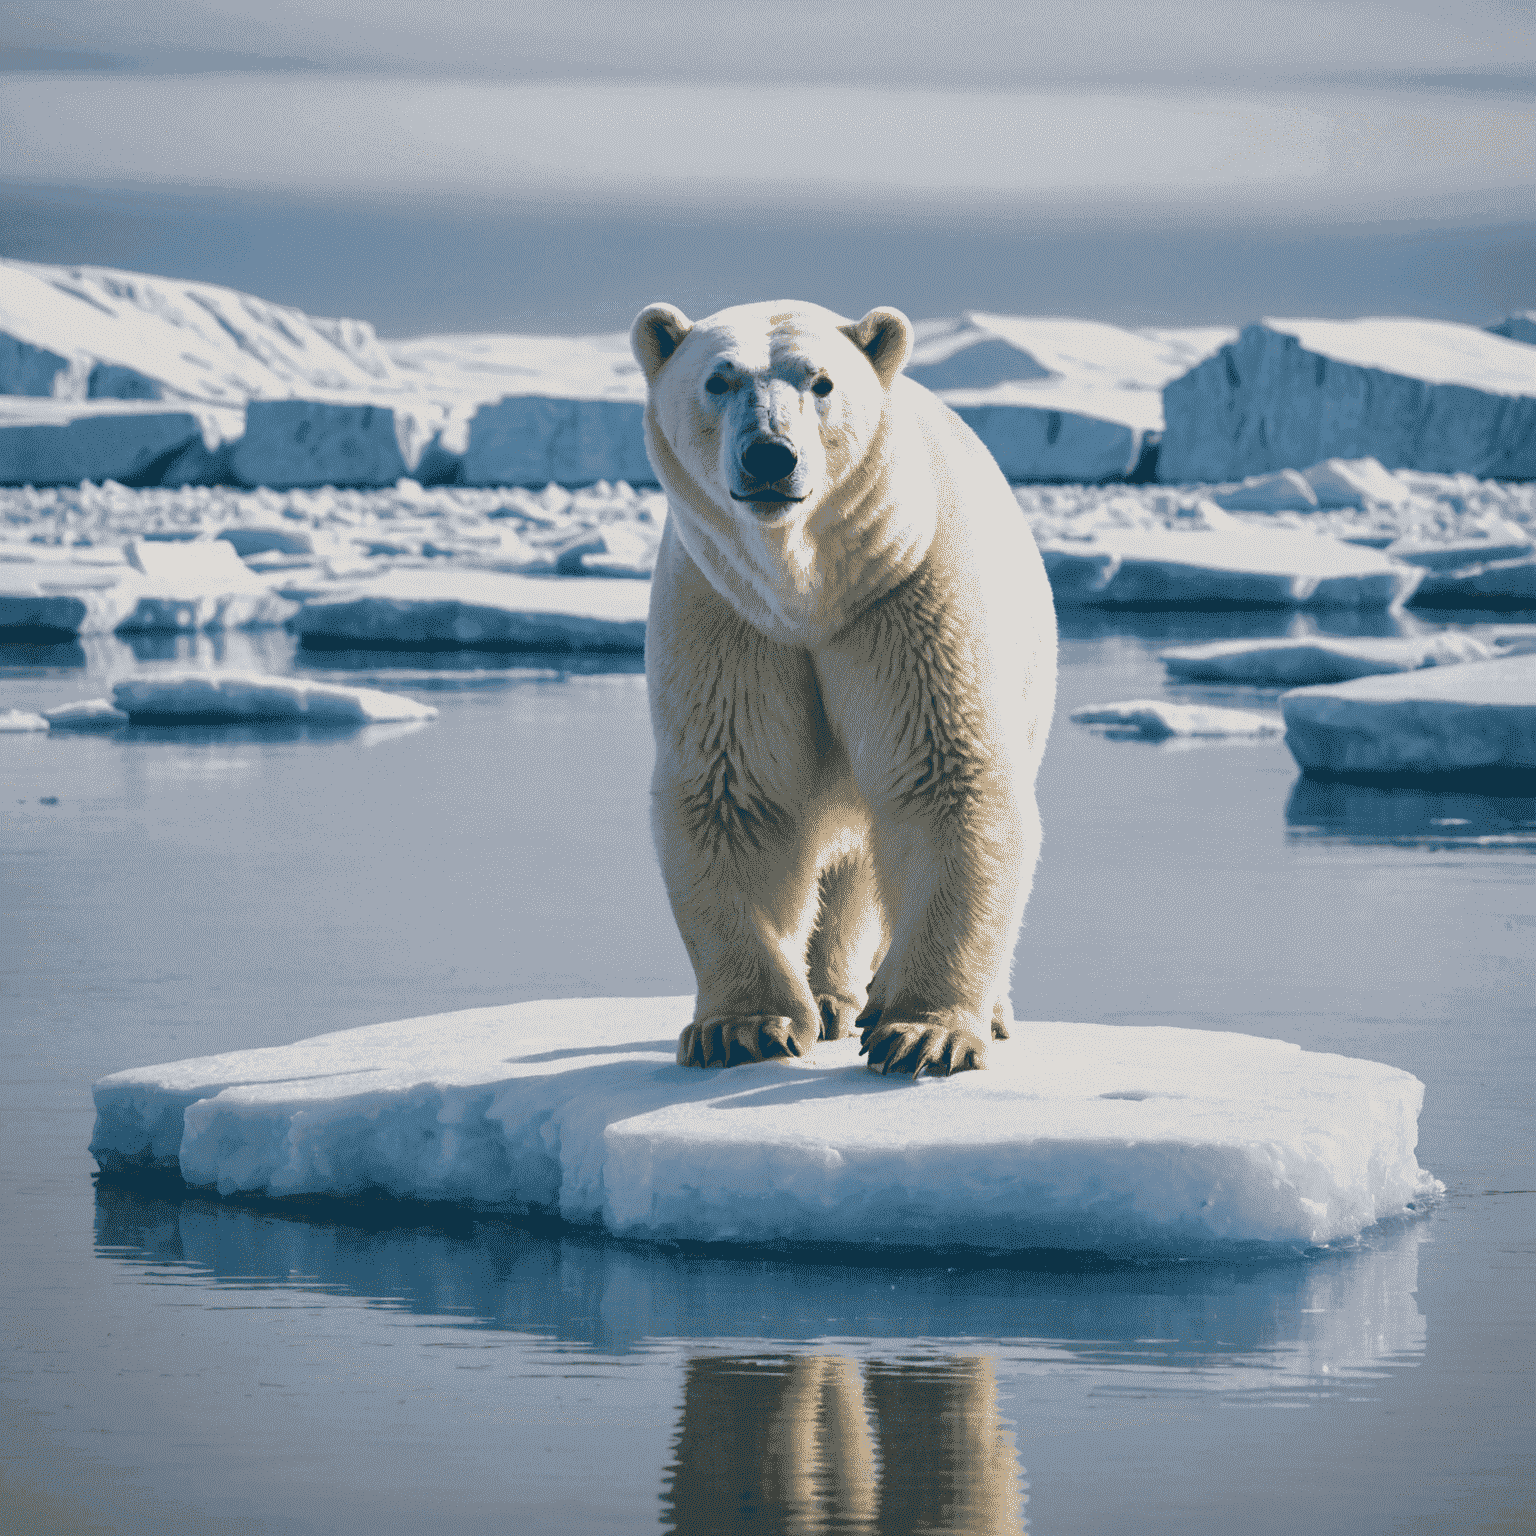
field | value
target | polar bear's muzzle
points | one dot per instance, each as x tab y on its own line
764	466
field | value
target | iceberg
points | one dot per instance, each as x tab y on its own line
1415	394
1247	568
1060	429
1295	662
1080	1136
533	439
479	610
1157	720
1477	717
291	443
62	442
227	696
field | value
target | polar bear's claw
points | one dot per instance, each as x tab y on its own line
729	1040
915	1048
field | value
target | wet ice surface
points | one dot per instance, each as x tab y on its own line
183	890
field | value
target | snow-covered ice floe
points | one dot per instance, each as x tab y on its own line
85	715
1293	663
1477	717
1157	720
1491	584
480	609
176	696
20	722
1242	568
1080	1136
1416	394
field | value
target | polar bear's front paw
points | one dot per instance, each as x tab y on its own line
839	1016
730	1039
923	1046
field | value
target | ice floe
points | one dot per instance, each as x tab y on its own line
1442	720
531	439
420	609
1496	584
221	695
85	715
1295	662
1421	394
1249	568
20	722
1083	1136
1157	720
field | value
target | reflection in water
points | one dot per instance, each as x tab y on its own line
44	654
1293	1326
1191	626
1377	813
813	1443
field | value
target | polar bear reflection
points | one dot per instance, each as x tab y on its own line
811	1444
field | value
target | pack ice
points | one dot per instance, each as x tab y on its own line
1292	663
1238	568
482	609
1415	394
1445	720
1080	1136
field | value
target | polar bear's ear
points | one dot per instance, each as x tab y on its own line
655	336
884	336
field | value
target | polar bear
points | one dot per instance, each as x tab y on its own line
851	662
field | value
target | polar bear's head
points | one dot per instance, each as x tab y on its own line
768	408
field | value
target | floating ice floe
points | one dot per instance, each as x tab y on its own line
20	721
1497	584
1249	568
1157	720
256	696
1421	394
86	715
1443	720
480	609
1080	1136
1292	663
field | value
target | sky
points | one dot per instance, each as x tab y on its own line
720	143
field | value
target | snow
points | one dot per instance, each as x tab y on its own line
1421	394
1157	720
86	715
1443	720
20	721
1128	1140
1292	663
1245	568
189	695
1283	492
481	608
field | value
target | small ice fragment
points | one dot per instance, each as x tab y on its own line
1156	720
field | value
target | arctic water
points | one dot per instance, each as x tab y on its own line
173	1362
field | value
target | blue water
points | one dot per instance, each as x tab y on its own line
174	1363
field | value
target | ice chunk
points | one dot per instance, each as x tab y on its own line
265	538
1157	720
1418	394
1443	720
258	696
1077	1136
87	715
1518	327
200	585
1355	483
533	439
20	720
1292	663
1253	568
480	609
62	442
612	549
1284	492
1060	430
1498	584
313	442
1508	543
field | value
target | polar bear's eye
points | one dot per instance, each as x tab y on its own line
716	384
822	387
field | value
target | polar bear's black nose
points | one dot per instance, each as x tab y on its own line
768	461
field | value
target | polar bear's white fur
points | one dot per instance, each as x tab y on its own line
851	660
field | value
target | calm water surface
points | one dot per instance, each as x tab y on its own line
176	1363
